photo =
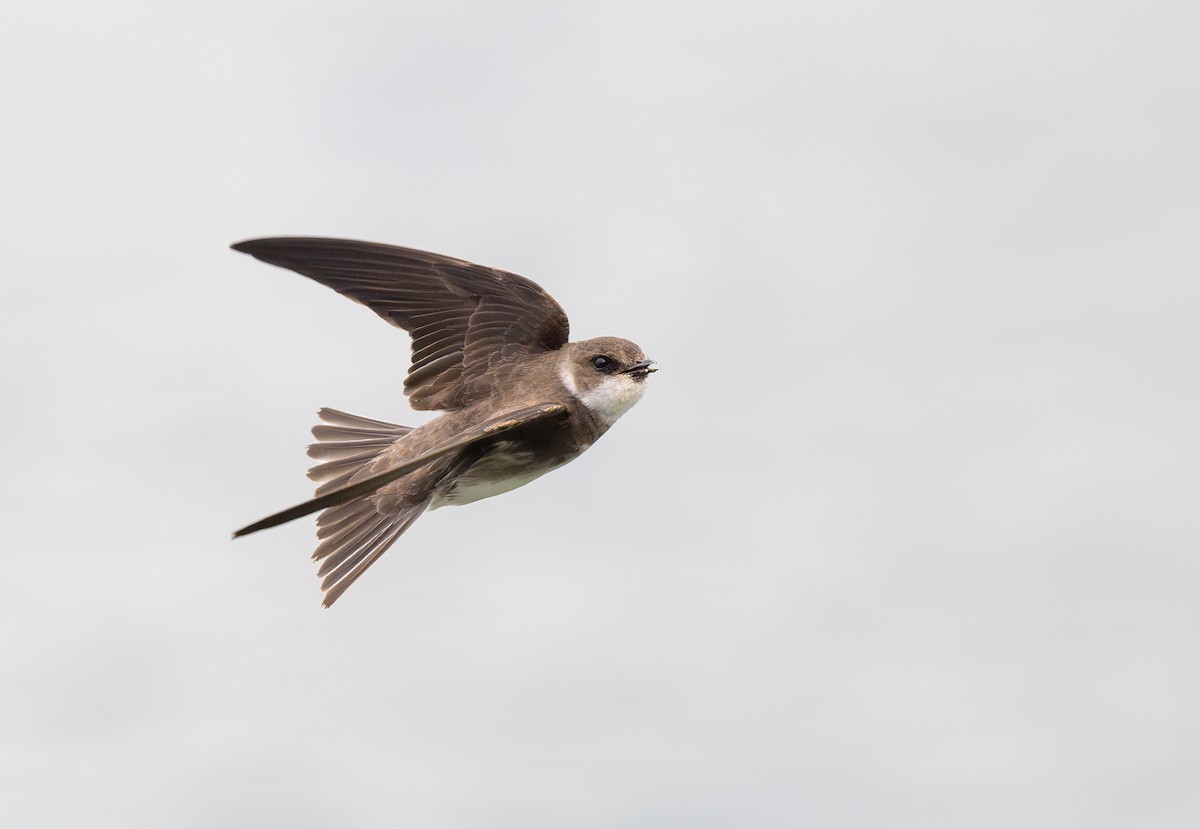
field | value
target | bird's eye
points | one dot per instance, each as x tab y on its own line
603	363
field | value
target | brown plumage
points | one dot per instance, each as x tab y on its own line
490	349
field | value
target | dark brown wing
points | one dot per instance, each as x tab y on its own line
463	318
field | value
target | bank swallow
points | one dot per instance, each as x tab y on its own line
490	350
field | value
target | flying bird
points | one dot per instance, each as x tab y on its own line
490	350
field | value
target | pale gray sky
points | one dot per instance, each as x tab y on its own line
905	533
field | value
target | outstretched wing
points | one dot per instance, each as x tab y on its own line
463	318
542	414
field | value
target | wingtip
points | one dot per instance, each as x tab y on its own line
261	245
256	526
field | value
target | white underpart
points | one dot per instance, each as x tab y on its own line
502	471
470	490
612	397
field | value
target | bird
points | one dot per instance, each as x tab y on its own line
491	352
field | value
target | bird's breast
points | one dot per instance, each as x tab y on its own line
505	467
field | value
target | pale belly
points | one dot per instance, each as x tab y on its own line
496	474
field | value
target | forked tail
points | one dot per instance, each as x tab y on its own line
355	534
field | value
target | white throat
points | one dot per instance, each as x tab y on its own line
609	399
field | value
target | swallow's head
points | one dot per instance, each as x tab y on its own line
606	374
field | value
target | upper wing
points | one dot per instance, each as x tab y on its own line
485	431
463	318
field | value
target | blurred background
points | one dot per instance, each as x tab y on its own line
904	533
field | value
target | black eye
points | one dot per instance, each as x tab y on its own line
603	363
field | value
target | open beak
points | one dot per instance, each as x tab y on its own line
640	370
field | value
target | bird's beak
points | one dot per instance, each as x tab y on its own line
640	370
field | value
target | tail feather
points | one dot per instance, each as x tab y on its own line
352	560
346	443
350	533
335	519
338	450
355	534
337	565
344	469
346	422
